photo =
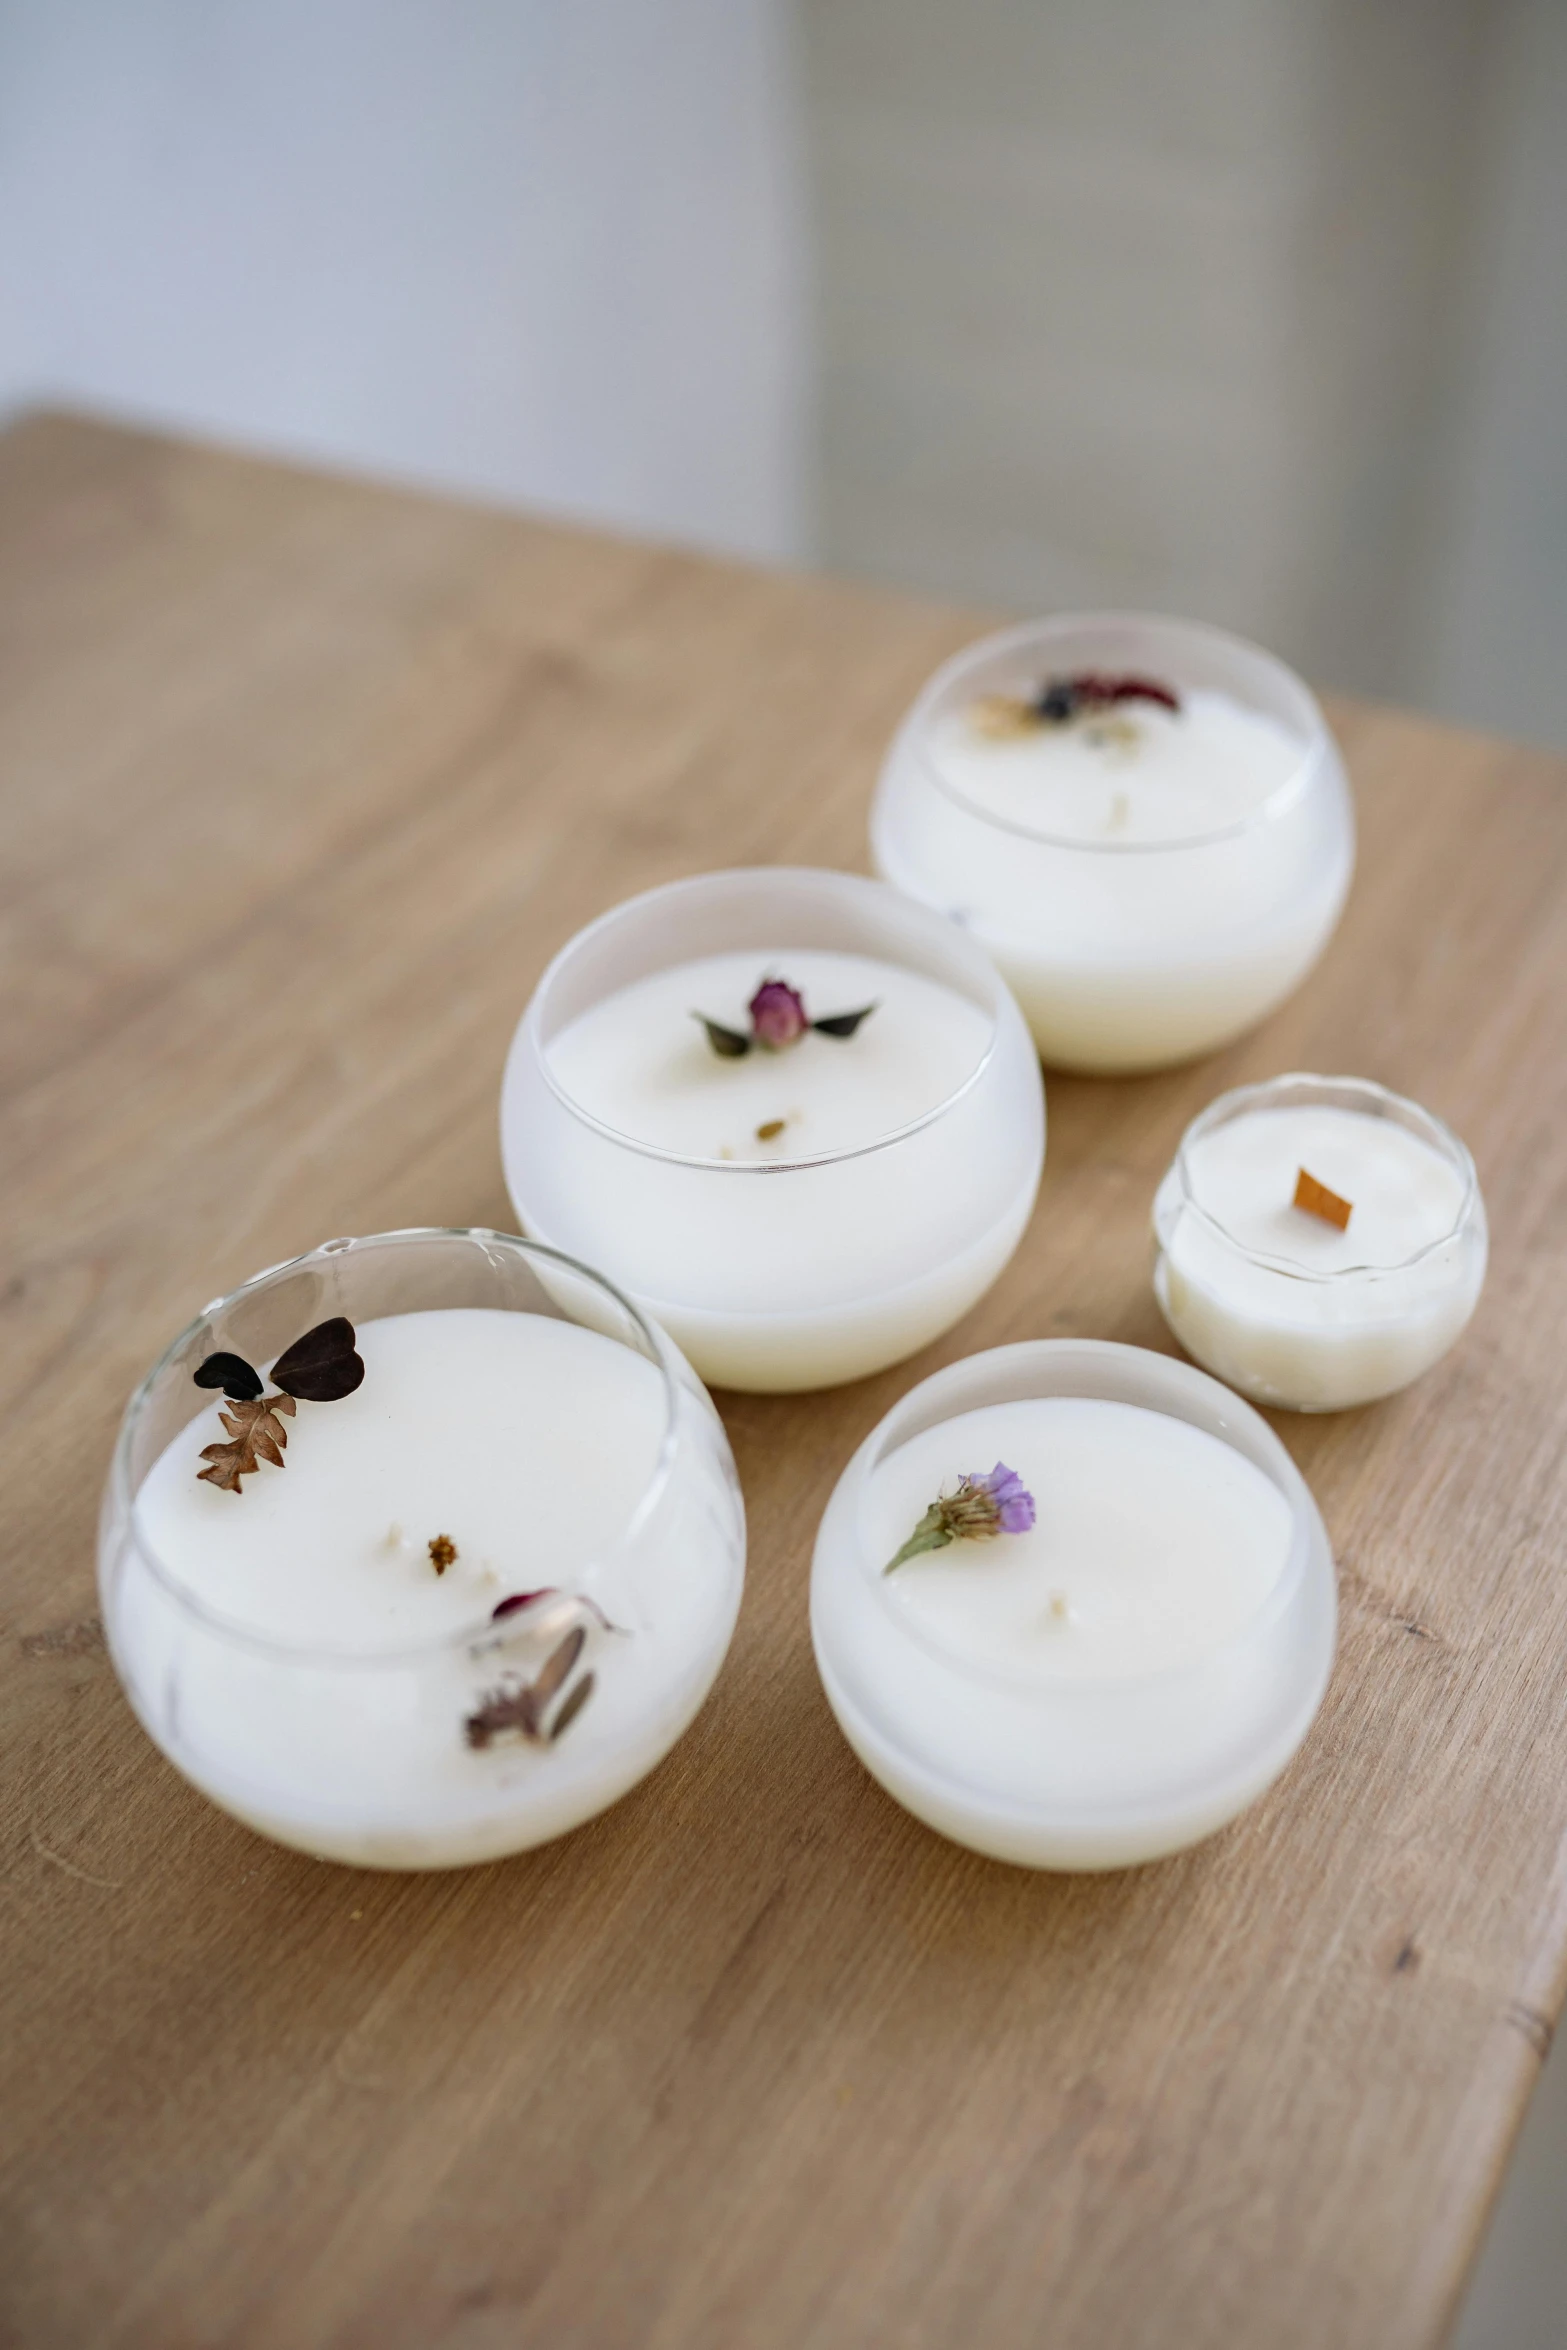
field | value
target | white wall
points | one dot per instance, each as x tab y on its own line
544	250
1126	302
1492	635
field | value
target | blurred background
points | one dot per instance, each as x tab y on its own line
1255	309
1249	309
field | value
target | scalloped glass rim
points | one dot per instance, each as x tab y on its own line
1374	1100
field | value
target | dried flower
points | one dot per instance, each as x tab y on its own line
519	1599
1059	700
996	1503
258	1435
777	1015
778	1020
443	1552
321	1367
522	1711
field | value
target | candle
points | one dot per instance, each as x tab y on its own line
455	1605
798	1119
1321	1241
1072	1604
1145	822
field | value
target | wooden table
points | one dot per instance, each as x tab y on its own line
303	783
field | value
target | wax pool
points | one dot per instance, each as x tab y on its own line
792	1217
1142	774
643	1065
1097	1690
1283	1303
330	1710
1149	881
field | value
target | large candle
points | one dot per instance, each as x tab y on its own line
450	1612
798	1119
1145	822
1072	1605
1321	1241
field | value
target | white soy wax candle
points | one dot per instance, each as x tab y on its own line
1318	1308
1144	821
451	1602
798	1119
1072	1604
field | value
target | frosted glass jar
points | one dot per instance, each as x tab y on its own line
1014	1744
329	1701
802	1266
1155	919
1286	1308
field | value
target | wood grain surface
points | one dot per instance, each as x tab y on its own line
303	782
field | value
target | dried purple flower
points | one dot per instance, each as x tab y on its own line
778	1019
777	1015
996	1503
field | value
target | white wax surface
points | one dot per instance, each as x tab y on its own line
642	1064
1153	1543
528	1441
1183	773
1403	1194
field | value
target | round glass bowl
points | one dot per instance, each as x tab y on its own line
1322	1337
790	1270
338	1702
1131	940
1018	1755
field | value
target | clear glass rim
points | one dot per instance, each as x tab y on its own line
1305	1518
1372	1099
485	1629
952	939
1313	741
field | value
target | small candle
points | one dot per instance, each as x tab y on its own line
1318	1307
450	1612
1145	822
1113	1670
800	1120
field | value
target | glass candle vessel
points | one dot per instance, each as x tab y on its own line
1129	1660
1150	880
454	1602
798	1213
1284	1302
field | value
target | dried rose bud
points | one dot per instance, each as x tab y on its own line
777	1015
996	1503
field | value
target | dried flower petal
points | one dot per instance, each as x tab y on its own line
258	1435
843	1024
575	1701
516	1599
997	1502
727	1043
322	1366
523	1710
232	1373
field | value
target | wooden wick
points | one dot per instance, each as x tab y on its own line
1317	1200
